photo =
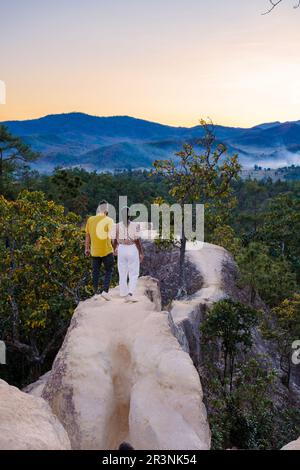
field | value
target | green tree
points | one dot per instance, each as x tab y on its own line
14	155
68	191
249	215
44	274
200	174
224	236
230	323
285	331
238	389
245	418
271	277
281	227
251	406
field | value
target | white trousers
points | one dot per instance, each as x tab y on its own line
129	268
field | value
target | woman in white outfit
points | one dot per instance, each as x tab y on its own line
129	249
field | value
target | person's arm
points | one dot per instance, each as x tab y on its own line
114	238
87	244
138	242
87	240
115	245
140	248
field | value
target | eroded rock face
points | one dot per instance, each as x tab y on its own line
27	423
163	264
37	387
122	376
186	316
295	445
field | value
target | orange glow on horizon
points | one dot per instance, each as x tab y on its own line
172	66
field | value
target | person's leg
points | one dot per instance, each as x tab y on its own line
123	270
96	263
134	268
108	262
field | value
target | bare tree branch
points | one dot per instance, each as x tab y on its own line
274	3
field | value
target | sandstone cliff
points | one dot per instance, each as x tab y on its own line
27	423
185	316
295	445
121	375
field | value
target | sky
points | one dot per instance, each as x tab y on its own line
169	61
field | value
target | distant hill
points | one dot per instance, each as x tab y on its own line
106	143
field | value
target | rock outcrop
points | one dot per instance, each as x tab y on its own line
295	445
163	264
27	422
37	387
121	375
186	316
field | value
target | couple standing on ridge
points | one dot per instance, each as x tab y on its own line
104	240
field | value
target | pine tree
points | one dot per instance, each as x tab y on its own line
14	155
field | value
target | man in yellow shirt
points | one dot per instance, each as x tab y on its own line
98	245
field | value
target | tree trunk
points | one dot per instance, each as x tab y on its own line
231	372
252	295
289	370
225	367
15	318
35	371
285	366
182	274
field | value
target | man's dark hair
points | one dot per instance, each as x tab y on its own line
125	215
125	446
102	207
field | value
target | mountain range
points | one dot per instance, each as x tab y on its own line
123	142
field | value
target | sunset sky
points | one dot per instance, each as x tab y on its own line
170	61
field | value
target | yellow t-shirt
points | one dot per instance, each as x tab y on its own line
98	227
